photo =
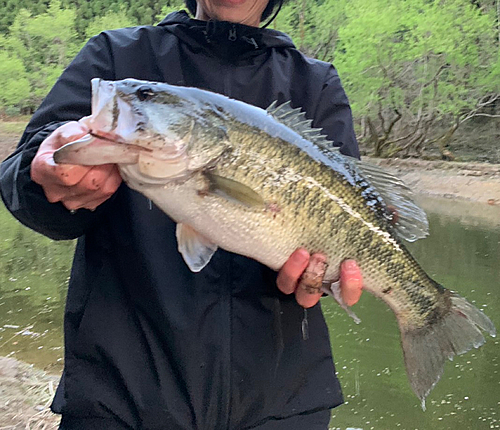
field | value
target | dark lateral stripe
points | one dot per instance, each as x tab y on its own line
116	113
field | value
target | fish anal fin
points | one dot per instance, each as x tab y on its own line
195	248
333	290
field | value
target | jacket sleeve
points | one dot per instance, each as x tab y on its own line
68	100
333	114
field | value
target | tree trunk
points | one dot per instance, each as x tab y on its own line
444	142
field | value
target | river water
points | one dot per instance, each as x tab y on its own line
462	253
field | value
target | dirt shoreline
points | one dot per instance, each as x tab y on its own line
474	182
25	396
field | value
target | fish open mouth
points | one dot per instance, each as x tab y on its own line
115	139
110	137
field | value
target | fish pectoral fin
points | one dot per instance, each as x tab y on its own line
195	248
234	191
334	291
92	151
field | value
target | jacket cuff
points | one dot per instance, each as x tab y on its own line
27	202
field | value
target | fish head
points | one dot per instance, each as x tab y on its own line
154	127
141	113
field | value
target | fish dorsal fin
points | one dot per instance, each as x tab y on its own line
296	120
408	219
195	248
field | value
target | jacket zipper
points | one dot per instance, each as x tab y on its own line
232	36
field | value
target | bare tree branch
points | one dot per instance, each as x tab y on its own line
435	78
475	114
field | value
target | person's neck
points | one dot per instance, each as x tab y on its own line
203	16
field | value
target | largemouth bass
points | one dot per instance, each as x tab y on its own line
263	183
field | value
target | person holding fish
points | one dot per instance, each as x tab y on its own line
148	343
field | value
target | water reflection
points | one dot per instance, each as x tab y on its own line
33	280
462	252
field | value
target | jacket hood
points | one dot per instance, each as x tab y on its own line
226	38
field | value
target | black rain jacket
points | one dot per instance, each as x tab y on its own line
148	344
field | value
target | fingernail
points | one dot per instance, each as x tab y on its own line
350	266
301	256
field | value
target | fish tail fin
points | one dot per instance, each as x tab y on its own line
454	333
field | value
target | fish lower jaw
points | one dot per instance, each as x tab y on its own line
137	180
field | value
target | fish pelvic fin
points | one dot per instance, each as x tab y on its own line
195	248
426	349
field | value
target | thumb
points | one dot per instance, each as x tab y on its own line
351	282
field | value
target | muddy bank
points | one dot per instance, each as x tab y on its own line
475	182
7	145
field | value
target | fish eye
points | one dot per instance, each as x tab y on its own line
144	93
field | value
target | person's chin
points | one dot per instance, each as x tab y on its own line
231	15
233	2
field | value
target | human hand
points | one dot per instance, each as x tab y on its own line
74	186
302	274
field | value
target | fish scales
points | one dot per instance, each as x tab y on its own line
299	208
262	184
358	241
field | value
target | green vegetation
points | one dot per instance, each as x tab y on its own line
13	128
415	71
418	72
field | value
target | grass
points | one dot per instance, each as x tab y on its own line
14	126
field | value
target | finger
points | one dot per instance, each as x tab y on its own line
100	183
351	282
113	182
45	171
66	133
91	204
309	291
98	177
104	191
292	270
74	204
